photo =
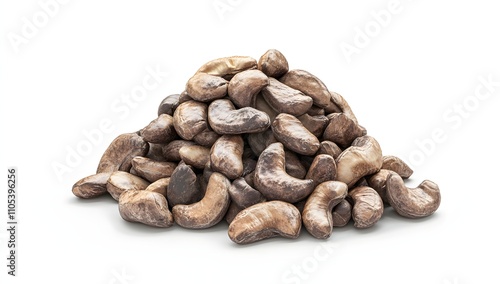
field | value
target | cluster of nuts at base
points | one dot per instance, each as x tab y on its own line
263	147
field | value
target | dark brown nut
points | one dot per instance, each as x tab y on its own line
363	158
262	105
317	214
289	130
250	178
316	110
243	194
145	207
322	169
184	97
329	148
273	63
342	130
378	181
339	104
259	141
206	138
225	119
207	172
160	186
397	165
362	182
152	170
160	130
203	87
120	182
195	155
232	211
293	166
171	150
248	166
341	214
210	210
300	205
272	180
169	104
156	152
226	67
183	187
315	124
118	156
418	202
226	156
190	119
284	99
308	84
91	186
244	86
265	220
367	206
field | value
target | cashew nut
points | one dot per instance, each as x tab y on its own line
273	63
397	165
289	130
159	186
284	99
342	130
315	124
152	170
243	194
226	156
308	84
341	214
323	168
145	207
118	156
244	86
120	182
190	119
204	87
226	67
169	104
171	150
195	155
183	187
91	186
367	206
160	130
330	148
225	119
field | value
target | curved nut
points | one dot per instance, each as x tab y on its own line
204	87
91	186
329	148
145	207
293	166
184	97
308	84
272	180
169	104
273	63
190	119
322	169
160	130
195	155
262	105
226	156
289	130
208	211
244	86
152	170
341	214
160	186
339	104
364	157
206	138
225	119
171	150
397	165
118	156
249	165
265	220
243	194
228	66
259	141
315	124
367	206
317	214
378	181
418	202
120	182
183	187
342	130
284	99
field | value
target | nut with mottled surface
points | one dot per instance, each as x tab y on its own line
244	86
284	99
397	165
273	63
183	187
91	186
226	67
367	206
152	170
190	119
159	186
145	207
120	182
204	87
323	168
224	118
341	214
169	104
342	130
172	149
289	130
160	130
195	155
119	154
226	156
308	84
243	194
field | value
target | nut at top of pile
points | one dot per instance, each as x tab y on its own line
266	148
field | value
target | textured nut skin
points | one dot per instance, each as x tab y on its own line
225	119
183	187
341	214
160	130
232	211
259	141
317	214
226	156
284	99
195	155
118	156
273	63
342	130
265	220
308	84
210	210
397	165
378	181
160	186
367	206
315	124
244	86
262	105
152	170
171	150
120	182
145	207
323	168
289	130
330	148
243	194
204	87
156	152
339	104
206	138
418	202
91	186
226	67
190	118
272	180
293	166
169	104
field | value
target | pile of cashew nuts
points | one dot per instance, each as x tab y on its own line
266	148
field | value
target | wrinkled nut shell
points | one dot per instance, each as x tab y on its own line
171	151
367	206
378	181
273	63
225	119
228	66
323	168
341	214
226	156
91	186
160	130
205	87
397	165
152	170
289	130
183	187
342	130
118	156
145	207
190	118
160	186
308	84
284	99
244	86
120	182
168	105
195	155
243	194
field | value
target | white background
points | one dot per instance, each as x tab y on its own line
423	64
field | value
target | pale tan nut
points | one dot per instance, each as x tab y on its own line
259	141
341	214
274	182
118	156
120	182
308	84
342	130
293	166
329	148
184	187
210	210
364	157
322	169
317	214
169	104
378	181
152	170
204	87
339	104
418	202
284	99
171	150
289	130
226	156
226	67
149	208
195	155
315	124
245	85
273	63
91	186
190	119
160	186
367	206
397	165
206	138
262	105
160	130
243	194
265	220
224	118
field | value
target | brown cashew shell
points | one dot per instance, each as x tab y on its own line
245	85
119	154
224	118
289	130
284	99
273	63
308	84
397	165
91	186
190	119
367	206
226	156
149	208
204	87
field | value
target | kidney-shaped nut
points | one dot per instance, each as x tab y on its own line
330	148
418	202
315	124
273	63
225	119
378	181
190	118
367	206
308	84
293	166
120	182
289	130
265	220
228	66
397	165
145	207
159	186
160	130
244	86
226	156
262	105
284	99
172	149
274	182
323	168
209	210
206	138
317	214
195	155
183	187
205	87
91	186
118	156
339	104
364	157
259	141
341	214
169	104
152	170
342	130
243	194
